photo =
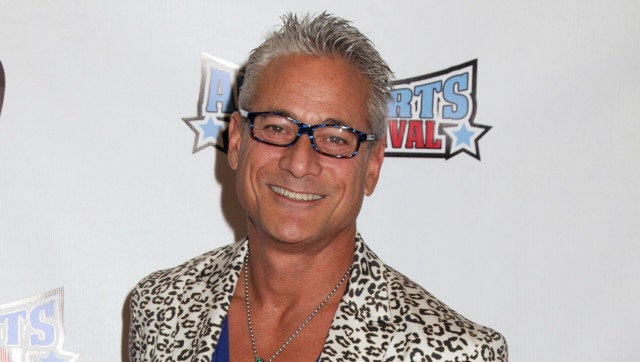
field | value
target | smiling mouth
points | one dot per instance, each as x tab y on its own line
297	196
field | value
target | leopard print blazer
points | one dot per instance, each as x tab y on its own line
177	315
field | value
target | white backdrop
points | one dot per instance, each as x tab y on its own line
539	240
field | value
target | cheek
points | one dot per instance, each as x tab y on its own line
241	191
243	177
253	162
351	181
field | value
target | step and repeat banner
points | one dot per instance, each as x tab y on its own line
509	190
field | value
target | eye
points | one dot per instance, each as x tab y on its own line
273	128
337	141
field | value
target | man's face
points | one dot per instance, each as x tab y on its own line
294	194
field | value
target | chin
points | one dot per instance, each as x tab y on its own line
296	236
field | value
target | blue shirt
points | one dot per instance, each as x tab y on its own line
221	354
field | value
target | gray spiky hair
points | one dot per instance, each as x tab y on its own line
324	35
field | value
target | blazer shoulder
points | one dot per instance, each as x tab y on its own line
158	298
425	320
162	281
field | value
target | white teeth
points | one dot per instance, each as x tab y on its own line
295	195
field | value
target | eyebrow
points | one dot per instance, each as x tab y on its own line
331	121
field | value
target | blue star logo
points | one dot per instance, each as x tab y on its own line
210	129
208	132
463	136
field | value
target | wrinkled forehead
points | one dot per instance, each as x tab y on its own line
314	89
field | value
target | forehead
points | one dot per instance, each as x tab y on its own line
313	89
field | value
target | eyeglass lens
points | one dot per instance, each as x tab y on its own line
281	131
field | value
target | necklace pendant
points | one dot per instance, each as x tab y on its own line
259	359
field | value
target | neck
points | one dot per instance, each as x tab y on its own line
283	275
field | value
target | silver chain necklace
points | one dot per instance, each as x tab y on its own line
299	329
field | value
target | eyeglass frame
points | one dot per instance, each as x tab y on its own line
307	129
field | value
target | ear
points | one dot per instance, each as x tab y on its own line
235	140
374	163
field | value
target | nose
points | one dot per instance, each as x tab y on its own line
300	159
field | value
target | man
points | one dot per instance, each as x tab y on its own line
306	146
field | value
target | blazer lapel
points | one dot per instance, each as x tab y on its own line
361	326
205	304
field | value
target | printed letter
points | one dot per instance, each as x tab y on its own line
432	142
396	132
415	138
46	331
220	92
400	104
460	101
425	91
13	326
